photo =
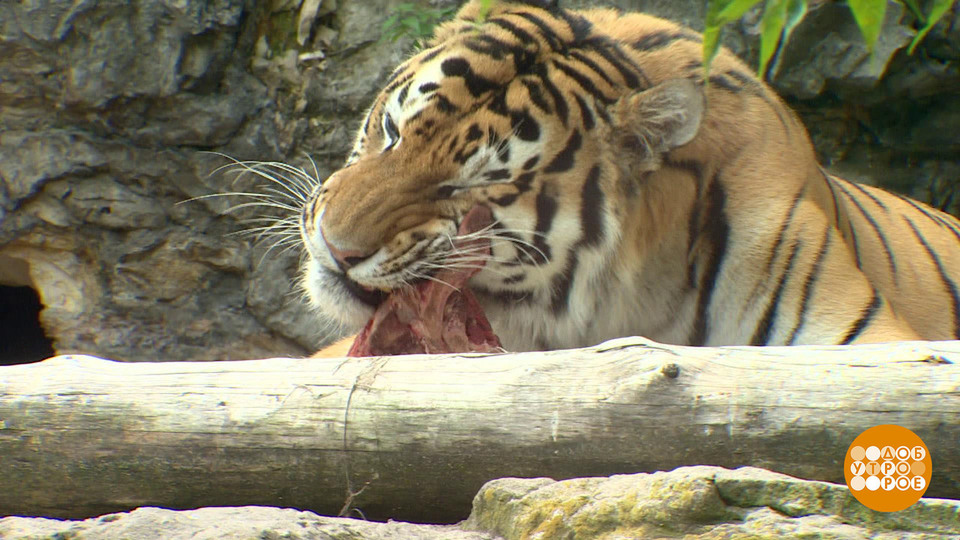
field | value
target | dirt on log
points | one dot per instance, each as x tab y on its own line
414	437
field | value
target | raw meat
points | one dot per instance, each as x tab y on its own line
434	317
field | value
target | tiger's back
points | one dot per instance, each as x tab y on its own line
630	198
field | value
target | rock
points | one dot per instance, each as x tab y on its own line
827	47
690	502
227	523
697	503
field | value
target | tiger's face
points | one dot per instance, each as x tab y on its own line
514	130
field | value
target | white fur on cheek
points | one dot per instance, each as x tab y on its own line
329	298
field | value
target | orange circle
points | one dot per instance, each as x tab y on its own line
883	437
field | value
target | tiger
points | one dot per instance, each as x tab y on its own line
632	194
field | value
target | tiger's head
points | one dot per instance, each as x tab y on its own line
527	112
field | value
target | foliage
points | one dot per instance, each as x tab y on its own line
780	17
414	21
777	22
417	22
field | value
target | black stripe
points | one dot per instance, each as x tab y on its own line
580	27
402	96
502	147
722	82
498	174
559	102
444	105
788	220
563	284
758	89
454	141
463	154
396	84
943	221
876	229
856	246
833	194
505	200
604	115
717	232
587	61
591	209
498	105
565	159
873	198
431	55
696	212
808	285
474	133
947	282
366	125
546	207
583	81
591	216
775	249
524	125
663	38
488	45
866	316
505	297
522	35
428	87
477	85
536	96
553	41
612	53
761	336
744	78
586	115
524	181
531	163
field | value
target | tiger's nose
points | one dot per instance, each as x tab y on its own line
345	258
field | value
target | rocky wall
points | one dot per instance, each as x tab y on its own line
113	115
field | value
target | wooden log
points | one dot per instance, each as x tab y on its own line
414	437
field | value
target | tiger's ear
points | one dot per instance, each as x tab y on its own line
652	122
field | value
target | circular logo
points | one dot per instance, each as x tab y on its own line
887	468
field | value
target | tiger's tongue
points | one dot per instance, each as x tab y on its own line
435	316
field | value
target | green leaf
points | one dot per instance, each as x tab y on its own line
719	13
711	43
915	9
796	11
939	8
485	7
869	16
771	28
731	10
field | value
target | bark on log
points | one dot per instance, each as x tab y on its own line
418	435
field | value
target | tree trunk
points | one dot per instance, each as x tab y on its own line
414	437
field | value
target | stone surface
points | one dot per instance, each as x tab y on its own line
689	502
231	523
698	503
109	110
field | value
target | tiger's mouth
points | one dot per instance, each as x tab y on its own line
368	295
434	316
476	219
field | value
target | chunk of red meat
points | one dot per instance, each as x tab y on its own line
435	316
